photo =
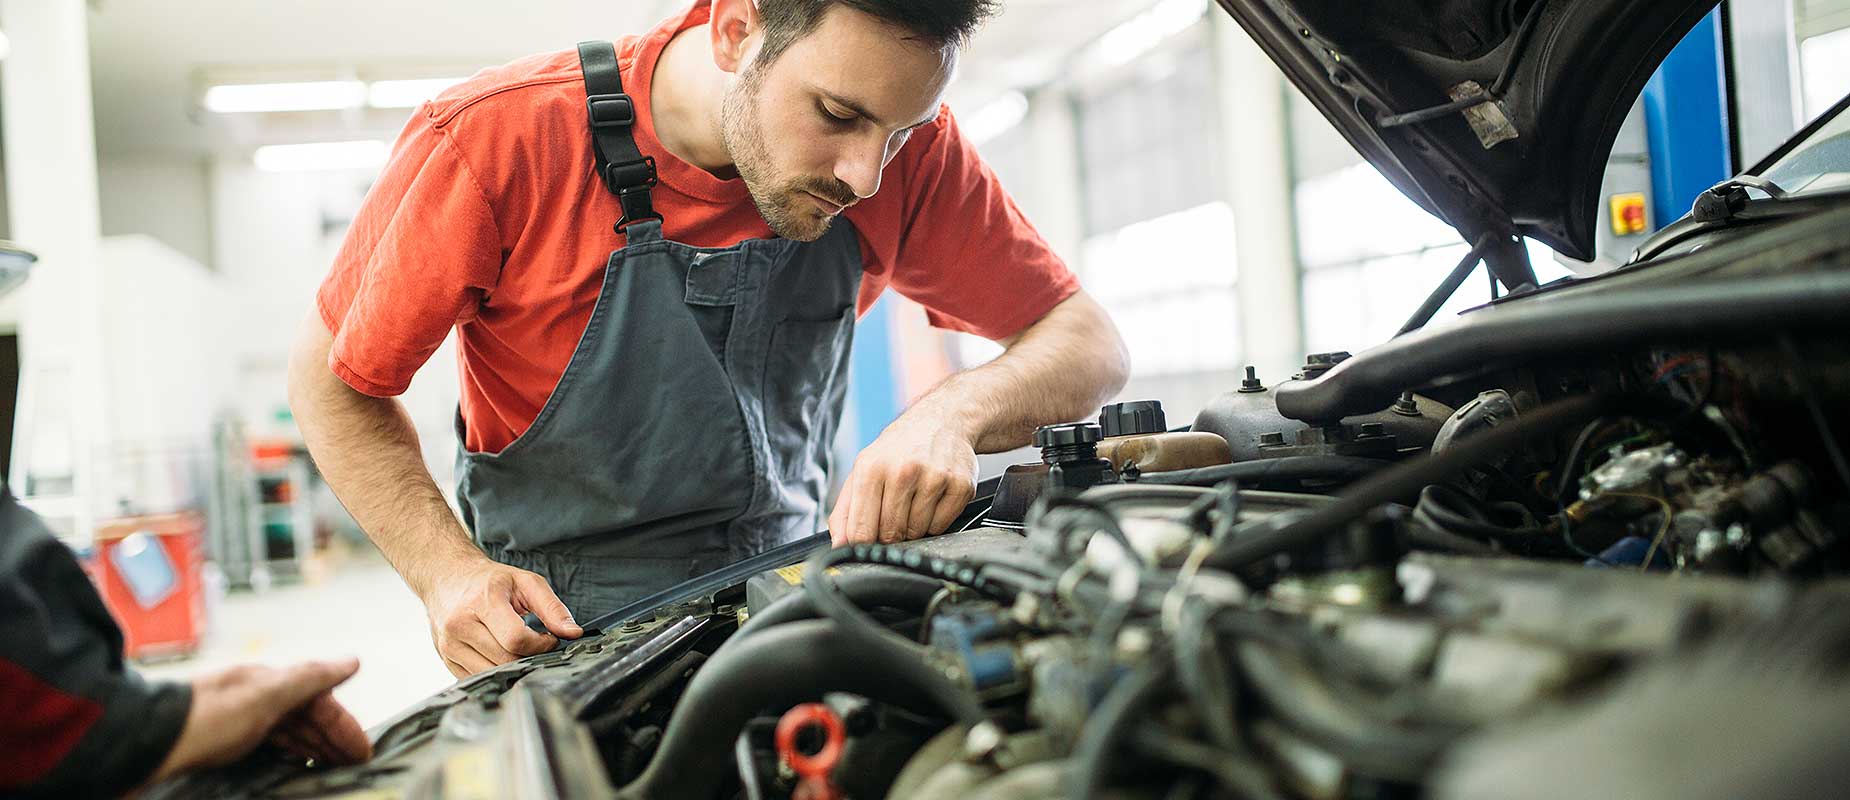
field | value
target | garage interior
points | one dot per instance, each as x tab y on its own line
179	237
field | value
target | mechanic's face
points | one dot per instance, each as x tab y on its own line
811	131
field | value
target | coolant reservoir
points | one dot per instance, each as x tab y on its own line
1138	433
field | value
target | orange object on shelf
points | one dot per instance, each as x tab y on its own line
268	449
148	570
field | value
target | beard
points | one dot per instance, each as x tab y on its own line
781	201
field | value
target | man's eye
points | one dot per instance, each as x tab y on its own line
832	116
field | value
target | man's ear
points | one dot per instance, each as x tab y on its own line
733	29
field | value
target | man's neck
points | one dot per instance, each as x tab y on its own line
684	99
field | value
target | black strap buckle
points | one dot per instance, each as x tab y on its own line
611	110
631	174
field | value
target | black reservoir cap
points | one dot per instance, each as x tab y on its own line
1134	418
1069	434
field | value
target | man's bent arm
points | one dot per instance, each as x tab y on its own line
1061	368
367	449
918	475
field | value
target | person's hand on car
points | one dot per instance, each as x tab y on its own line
911	482
293	707
475	616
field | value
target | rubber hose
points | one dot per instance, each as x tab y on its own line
1333	722
776	668
1406	479
869	635
865	588
1272	470
1109	724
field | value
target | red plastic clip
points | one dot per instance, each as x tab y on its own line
812	770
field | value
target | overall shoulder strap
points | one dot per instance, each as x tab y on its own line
626	172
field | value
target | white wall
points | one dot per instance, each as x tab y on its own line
165	198
274	235
166	341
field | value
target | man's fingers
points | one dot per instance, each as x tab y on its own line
292	687
289	739
339	731
462	655
950	505
455	669
477	636
513	634
895	506
866	513
844	505
925	503
532	593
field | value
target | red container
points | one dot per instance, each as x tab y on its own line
167	617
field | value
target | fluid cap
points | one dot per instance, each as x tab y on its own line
1071	434
1135	418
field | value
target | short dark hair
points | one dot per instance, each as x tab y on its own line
935	22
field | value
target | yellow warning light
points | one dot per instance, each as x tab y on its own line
1628	214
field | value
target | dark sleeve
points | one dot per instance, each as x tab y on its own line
76	722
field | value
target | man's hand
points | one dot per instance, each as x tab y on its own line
911	482
235	710
475	615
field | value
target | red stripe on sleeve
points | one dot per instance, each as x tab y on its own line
41	725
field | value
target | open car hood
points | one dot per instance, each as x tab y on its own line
1525	159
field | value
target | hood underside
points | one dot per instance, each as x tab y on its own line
1421	89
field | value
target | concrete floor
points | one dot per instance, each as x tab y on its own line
355	606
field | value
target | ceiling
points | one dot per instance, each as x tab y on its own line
147	56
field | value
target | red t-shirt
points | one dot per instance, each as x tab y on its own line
490	218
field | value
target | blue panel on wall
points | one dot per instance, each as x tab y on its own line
1686	112
873	384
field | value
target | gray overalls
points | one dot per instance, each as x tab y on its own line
692	426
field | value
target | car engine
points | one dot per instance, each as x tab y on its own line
1585	542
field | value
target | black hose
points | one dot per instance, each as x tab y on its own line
1109	724
865	588
1272	470
1403	480
1239	773
773	669
1332	722
1452	510
857	626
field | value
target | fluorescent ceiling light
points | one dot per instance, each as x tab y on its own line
366	154
301	96
996	117
6	46
1142	33
406	94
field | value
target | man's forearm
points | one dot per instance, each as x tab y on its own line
367	449
1057	370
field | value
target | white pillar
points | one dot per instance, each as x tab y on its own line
51	185
1058	210
1254	132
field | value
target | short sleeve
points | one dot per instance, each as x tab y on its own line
967	253
420	256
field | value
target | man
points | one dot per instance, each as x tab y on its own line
75	723
631	419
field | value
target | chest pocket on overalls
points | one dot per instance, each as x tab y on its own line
806	382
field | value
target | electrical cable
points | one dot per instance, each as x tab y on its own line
1810	395
1663	527
1560	493
1406	479
1338	469
1055	506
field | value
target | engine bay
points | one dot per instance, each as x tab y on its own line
1566	571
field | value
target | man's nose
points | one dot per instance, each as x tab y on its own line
859	166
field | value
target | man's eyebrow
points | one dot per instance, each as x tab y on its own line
862	111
